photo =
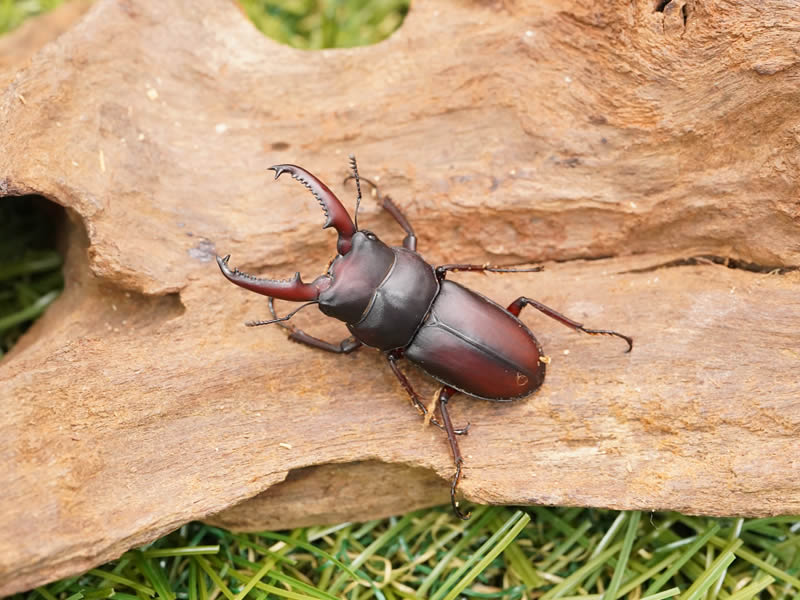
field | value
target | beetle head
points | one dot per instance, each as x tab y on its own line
362	261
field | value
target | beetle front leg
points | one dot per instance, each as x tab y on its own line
346	346
410	241
393	356
516	307
444	396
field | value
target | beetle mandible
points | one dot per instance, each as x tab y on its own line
393	300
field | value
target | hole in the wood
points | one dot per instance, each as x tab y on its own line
661	4
43	249
31	242
316	24
280	146
685	13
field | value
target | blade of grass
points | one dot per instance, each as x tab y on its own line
313	549
752	590
486	554
624	555
283	578
661	595
122	580
761	564
609	535
520	564
698	543
98	594
45	593
154	575
736	531
29	312
256	578
648	574
548	516
214	576
574	580
182	551
45	261
370	550
192	582
563	547
480	519
706	580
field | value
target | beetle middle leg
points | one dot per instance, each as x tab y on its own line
441	270
516	307
393	356
346	346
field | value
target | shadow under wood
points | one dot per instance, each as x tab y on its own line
371	489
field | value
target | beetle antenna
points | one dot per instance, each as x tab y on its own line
279	319
354	168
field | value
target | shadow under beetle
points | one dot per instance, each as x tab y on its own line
392	300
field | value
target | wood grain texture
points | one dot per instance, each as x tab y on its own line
612	140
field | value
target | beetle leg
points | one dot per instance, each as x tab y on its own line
346	346
515	307
410	241
393	357
444	396
441	271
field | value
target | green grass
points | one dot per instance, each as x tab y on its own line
30	269
544	553
14	12
310	24
534	552
315	24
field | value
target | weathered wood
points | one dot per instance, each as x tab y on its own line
508	133
18	46
368	489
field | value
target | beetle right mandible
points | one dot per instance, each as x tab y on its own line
394	301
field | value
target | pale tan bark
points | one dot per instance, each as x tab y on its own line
517	132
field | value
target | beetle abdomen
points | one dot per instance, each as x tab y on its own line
399	304
475	346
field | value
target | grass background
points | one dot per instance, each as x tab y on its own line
530	552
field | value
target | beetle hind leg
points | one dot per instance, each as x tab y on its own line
444	396
346	346
516	307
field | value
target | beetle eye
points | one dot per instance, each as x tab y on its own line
369	234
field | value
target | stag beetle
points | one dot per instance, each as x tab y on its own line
392	300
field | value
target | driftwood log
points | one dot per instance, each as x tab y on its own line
615	143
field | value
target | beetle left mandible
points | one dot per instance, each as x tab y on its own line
394	301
